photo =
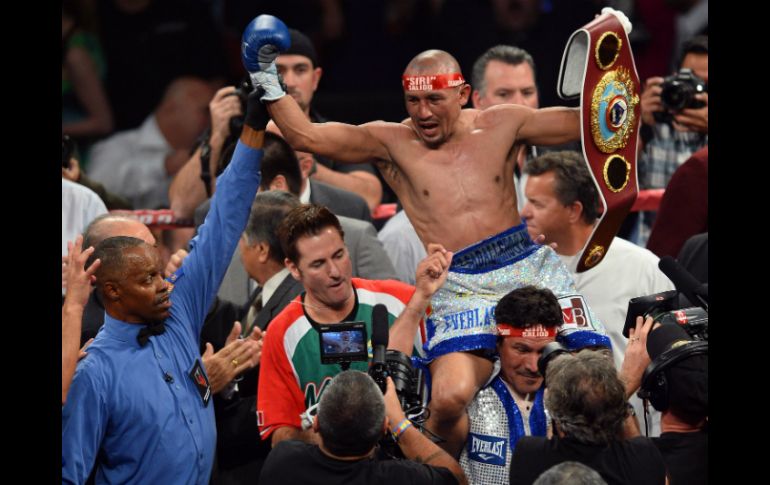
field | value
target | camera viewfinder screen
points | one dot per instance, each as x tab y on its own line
343	342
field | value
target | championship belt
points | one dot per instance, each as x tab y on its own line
599	67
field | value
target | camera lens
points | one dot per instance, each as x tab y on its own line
400	368
676	96
550	351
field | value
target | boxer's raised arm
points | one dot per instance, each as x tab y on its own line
263	39
339	141
550	126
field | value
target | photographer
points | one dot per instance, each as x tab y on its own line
196	180
292	377
587	402
672	135
352	418
678	387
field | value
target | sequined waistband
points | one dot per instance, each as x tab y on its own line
494	252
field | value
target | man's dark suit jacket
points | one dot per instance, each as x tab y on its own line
340	202
240	451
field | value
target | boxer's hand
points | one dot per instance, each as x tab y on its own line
263	39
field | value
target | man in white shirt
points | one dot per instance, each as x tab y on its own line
79	206
138	164
563	204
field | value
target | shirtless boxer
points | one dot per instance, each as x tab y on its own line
452	170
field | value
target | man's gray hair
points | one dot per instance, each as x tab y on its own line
504	53
585	397
570	473
267	212
351	414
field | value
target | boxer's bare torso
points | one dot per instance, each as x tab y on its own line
463	190
456	191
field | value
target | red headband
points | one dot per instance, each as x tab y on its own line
432	82
508	330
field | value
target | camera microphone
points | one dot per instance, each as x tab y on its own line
684	282
380	328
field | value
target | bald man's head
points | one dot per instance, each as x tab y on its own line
432	61
183	112
113	225
435	92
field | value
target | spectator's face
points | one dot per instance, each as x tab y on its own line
253	256
518	362
699	63
434	113
191	113
507	84
544	213
324	268
300	78
143	294
305	163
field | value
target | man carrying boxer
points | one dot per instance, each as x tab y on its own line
452	170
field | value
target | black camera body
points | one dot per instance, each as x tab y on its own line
242	92
665	308
678	92
694	320
412	395
408	381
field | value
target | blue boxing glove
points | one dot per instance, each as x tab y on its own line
263	39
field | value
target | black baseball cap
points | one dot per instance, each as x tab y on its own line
301	46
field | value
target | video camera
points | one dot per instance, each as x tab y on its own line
344	343
678	93
667	307
409	383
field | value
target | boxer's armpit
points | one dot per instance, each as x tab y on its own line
389	169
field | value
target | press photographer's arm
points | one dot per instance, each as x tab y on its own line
414	445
